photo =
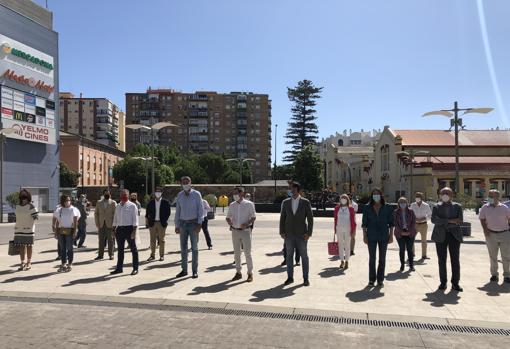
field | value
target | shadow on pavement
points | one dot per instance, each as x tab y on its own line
439	298
93	280
154	285
331	272
154	265
364	295
50	251
273	270
398	275
214	268
28	277
216	288
7	272
276	292
37	262
87	262
494	289
274	254
226	253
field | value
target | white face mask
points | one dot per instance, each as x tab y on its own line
445	198
186	187
418	200
157	194
236	197
343	201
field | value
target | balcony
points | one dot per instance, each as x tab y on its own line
242	98
198	113
241	106
241	115
198	97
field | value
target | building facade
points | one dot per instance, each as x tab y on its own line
93	160
29	94
94	118
407	161
347	160
237	124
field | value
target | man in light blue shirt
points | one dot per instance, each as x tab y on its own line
188	222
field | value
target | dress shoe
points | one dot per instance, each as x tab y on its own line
237	276
151	258
161	259
111	258
506	280
412	268
57	258
494	278
352	253
250	278
98	258
283	263
209	247
306	283
116	271
341	264
297	264
442	287
346	265
195	275
425	257
371	284
182	274
380	284
288	281
134	272
457	288
401	267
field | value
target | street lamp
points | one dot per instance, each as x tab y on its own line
411	154
275	154
145	159
156	127
241	162
456	122
3	131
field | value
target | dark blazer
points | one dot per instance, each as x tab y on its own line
297	224
441	213
399	222
164	212
377	224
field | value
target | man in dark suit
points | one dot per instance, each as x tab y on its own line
296	227
447	234
157	214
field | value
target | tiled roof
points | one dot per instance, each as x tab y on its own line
447	138
465	159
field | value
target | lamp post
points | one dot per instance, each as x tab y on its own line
275	154
3	131
456	122
145	159
153	128
411	154
241	161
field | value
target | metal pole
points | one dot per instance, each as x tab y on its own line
275	154
1	175
456	121
152	147
82	165
146	161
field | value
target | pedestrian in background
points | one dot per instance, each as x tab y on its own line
205	223
81	205
24	228
422	212
66	230
405	232
345	228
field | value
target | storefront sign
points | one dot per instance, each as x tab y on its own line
7	49
28	81
15	53
29	131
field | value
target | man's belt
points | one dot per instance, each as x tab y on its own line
421	222
189	220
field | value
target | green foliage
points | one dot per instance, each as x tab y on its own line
466	201
68	178
284	172
132	172
308	169
214	166
12	199
165	174
280	196
211	199
302	130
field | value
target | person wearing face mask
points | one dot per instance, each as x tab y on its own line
296	228
134	199
345	228
205	224
284	250
81	204
157	214
240	217
494	217
354	205
422	212
447	234
377	233
24	228
66	226
103	216
405	232
125	222
189	215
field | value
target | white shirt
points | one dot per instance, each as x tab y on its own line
207	207
295	203
65	216
241	212
354	206
422	212
158	205
343	219
126	214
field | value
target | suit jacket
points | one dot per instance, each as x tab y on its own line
441	213
297	224
164	212
104	216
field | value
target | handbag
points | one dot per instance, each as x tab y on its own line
333	246
13	249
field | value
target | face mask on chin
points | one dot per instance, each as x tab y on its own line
186	187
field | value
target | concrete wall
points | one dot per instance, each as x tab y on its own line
31	10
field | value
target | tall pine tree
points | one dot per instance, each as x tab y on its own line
302	130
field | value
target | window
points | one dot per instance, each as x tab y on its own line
385	158
340	143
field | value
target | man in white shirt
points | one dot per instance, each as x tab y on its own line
125	222
240	218
205	223
422	212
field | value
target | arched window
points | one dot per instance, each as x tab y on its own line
340	142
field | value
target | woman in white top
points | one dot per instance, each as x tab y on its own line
345	228
65	230
24	229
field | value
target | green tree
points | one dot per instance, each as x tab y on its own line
164	175
132	172
302	129
68	178
308	169
284	172
188	166
214	166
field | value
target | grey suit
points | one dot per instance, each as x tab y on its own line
293	227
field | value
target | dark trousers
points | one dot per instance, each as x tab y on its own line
284	252
372	251
123	234
80	237
299	244
205	229
65	245
406	243
452	245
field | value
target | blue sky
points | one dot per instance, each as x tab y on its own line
380	62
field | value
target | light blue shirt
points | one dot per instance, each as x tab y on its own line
188	207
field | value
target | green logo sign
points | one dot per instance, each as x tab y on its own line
18	53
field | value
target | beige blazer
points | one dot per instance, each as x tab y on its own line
104	216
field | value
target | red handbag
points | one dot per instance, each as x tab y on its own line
333	246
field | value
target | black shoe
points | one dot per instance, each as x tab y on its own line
195	275
352	253
151	258
506	280
111	258
134	272
401	267
283	263
442	286
116	271
238	276
209	247
161	259
297	264
494	278
306	283
425	257
182	274
57	258
411	268
98	258
380	284
82	246
288	281
457	288
371	284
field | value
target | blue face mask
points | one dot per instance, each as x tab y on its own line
376	197
403	206
490	201
289	193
